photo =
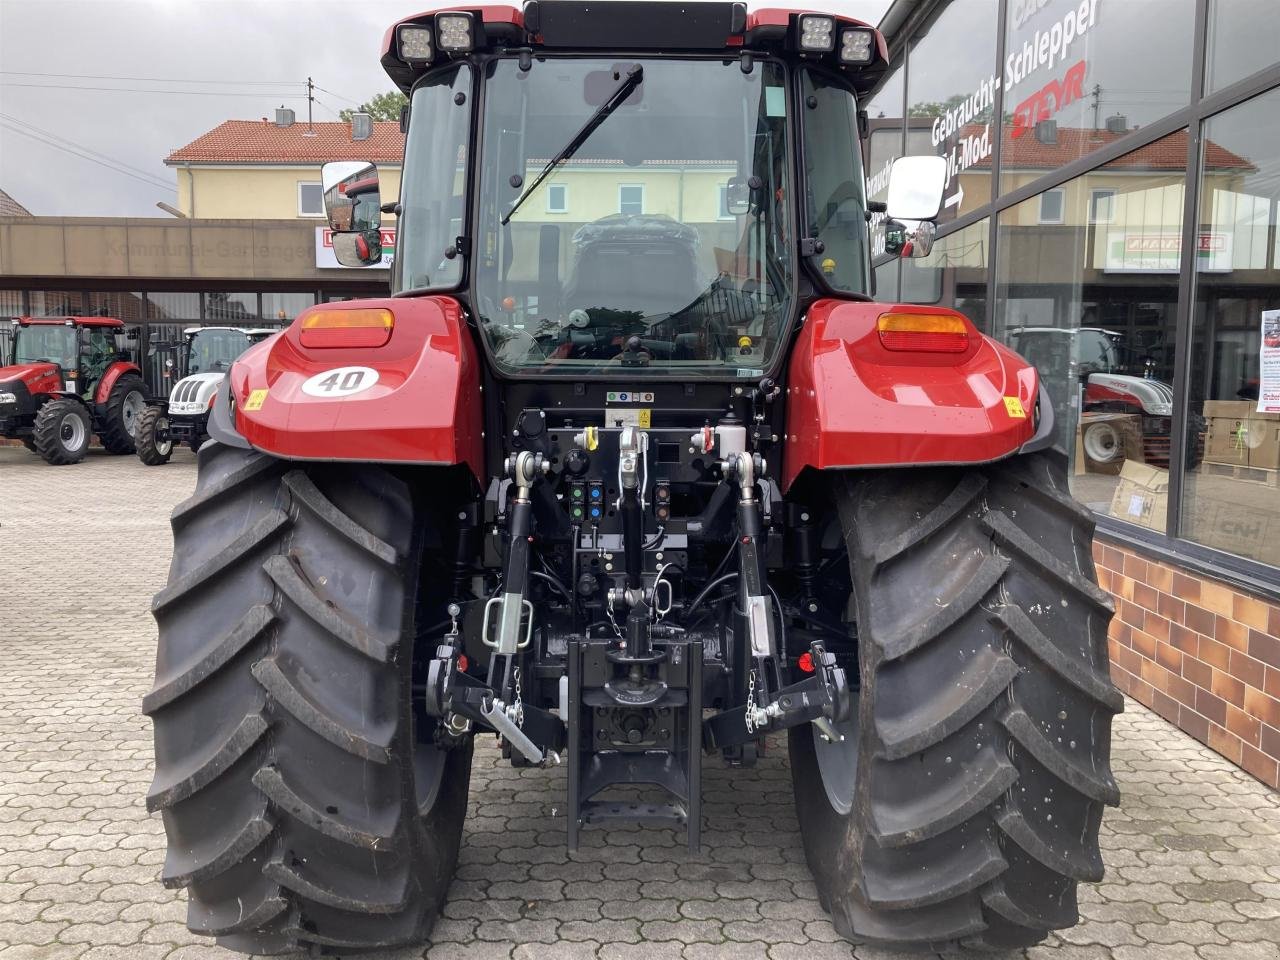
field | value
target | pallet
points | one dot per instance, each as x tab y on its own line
1259	475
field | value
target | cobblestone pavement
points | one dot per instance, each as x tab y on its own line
1193	853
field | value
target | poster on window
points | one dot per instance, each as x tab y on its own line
1269	363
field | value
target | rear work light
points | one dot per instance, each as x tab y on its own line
923	333
817	34
453	32
415	44
856	46
346	328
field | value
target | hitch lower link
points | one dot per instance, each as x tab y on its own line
459	699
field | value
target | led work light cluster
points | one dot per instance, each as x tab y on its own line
818	35
450	33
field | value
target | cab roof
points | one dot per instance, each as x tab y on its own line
656	26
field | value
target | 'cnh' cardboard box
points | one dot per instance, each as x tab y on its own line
1142	496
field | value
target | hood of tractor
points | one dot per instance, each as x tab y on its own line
191	395
37	377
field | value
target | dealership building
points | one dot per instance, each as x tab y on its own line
1118	225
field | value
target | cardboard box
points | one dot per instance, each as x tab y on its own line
1266	434
1142	496
1229	409
1227	441
1245	530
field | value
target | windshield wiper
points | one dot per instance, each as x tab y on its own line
624	90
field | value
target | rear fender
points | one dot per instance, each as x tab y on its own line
108	381
418	401
854	403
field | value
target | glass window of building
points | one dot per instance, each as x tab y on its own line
883	146
1231	498
631	199
55	303
951	99
310	199
1244	37
283	307
119	304
1093	305
231	307
558	198
953	275
1079	74
173	306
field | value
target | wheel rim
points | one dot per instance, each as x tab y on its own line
163	447
838	763
130	410
71	431
1101	443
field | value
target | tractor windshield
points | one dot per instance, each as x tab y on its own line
660	242
48	343
214	350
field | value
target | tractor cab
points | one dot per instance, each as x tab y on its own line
81	348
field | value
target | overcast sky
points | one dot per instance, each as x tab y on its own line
190	65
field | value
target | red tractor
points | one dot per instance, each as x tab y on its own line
69	380
632	472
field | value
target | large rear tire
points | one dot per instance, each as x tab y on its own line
125	405
61	432
963	807
306	803
152	450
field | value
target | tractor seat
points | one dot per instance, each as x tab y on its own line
654	275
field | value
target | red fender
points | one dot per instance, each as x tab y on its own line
423	406
114	373
854	403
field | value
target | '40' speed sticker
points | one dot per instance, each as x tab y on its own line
340	382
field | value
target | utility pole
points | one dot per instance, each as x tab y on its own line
311	96
1097	103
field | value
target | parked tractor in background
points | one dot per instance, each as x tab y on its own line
182	417
71	377
632	472
1091	360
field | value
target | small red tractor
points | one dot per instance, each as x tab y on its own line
69	380
632	472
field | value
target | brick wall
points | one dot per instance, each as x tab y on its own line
1202	654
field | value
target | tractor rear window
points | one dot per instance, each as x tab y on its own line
660	243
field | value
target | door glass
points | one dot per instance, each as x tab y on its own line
1231	496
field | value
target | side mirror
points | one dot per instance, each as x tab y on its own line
912	240
737	196
358	249
915	187
351	198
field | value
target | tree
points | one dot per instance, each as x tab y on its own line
382	106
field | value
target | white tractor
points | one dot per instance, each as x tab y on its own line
183	418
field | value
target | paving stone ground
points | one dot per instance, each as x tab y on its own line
1193	852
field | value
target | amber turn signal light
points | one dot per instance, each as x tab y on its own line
923	332
346	328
